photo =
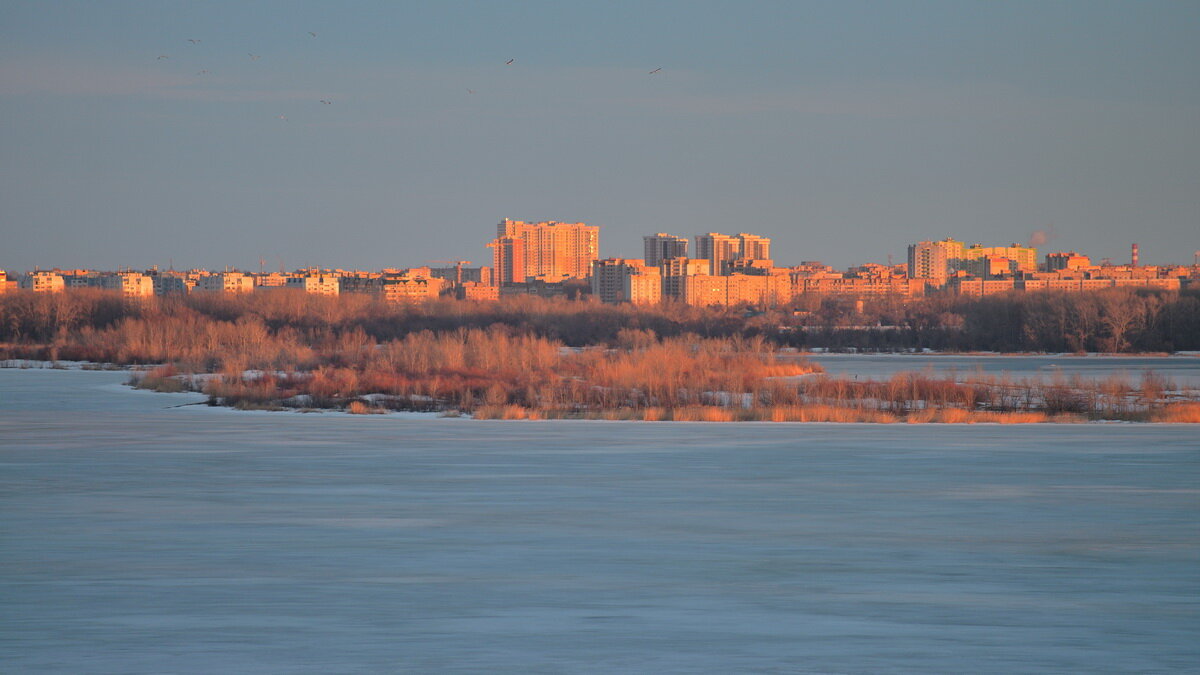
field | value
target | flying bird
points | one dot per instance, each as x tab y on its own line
326	101
203	72
509	62
254	57
312	33
193	41
655	71
161	57
470	91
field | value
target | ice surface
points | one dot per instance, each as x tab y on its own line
142	538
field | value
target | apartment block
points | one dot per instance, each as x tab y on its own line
416	287
316	284
364	283
675	273
271	281
722	250
934	260
43	282
130	284
753	247
626	280
736	289
171	282
1024	257
663	246
462	275
717	249
1069	260
226	282
549	251
990	266
982	287
860	287
474	290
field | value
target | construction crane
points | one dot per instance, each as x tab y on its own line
458	265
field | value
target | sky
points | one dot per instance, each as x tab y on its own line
843	130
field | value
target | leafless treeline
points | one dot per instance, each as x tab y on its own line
1113	320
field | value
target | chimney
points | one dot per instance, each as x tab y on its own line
1134	256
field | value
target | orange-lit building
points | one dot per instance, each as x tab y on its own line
735	289
416	286
316	283
980	287
677	271
226	282
934	260
547	250
663	246
1066	261
722	250
626	280
1024	258
130	284
474	290
43	282
840	285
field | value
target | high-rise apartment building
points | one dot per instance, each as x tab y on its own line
551	251
662	246
754	247
934	260
721	249
717	249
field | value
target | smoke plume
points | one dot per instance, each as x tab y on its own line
1043	237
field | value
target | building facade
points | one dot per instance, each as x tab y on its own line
548	251
226	282
934	260
626	280
1024	258
662	246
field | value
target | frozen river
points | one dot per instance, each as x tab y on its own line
137	538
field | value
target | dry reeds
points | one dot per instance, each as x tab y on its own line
1177	413
363	408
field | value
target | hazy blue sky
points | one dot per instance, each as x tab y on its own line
843	130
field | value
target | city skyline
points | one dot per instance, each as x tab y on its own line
214	134
1040	245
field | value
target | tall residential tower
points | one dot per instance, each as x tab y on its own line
549	251
662	246
721	249
934	260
